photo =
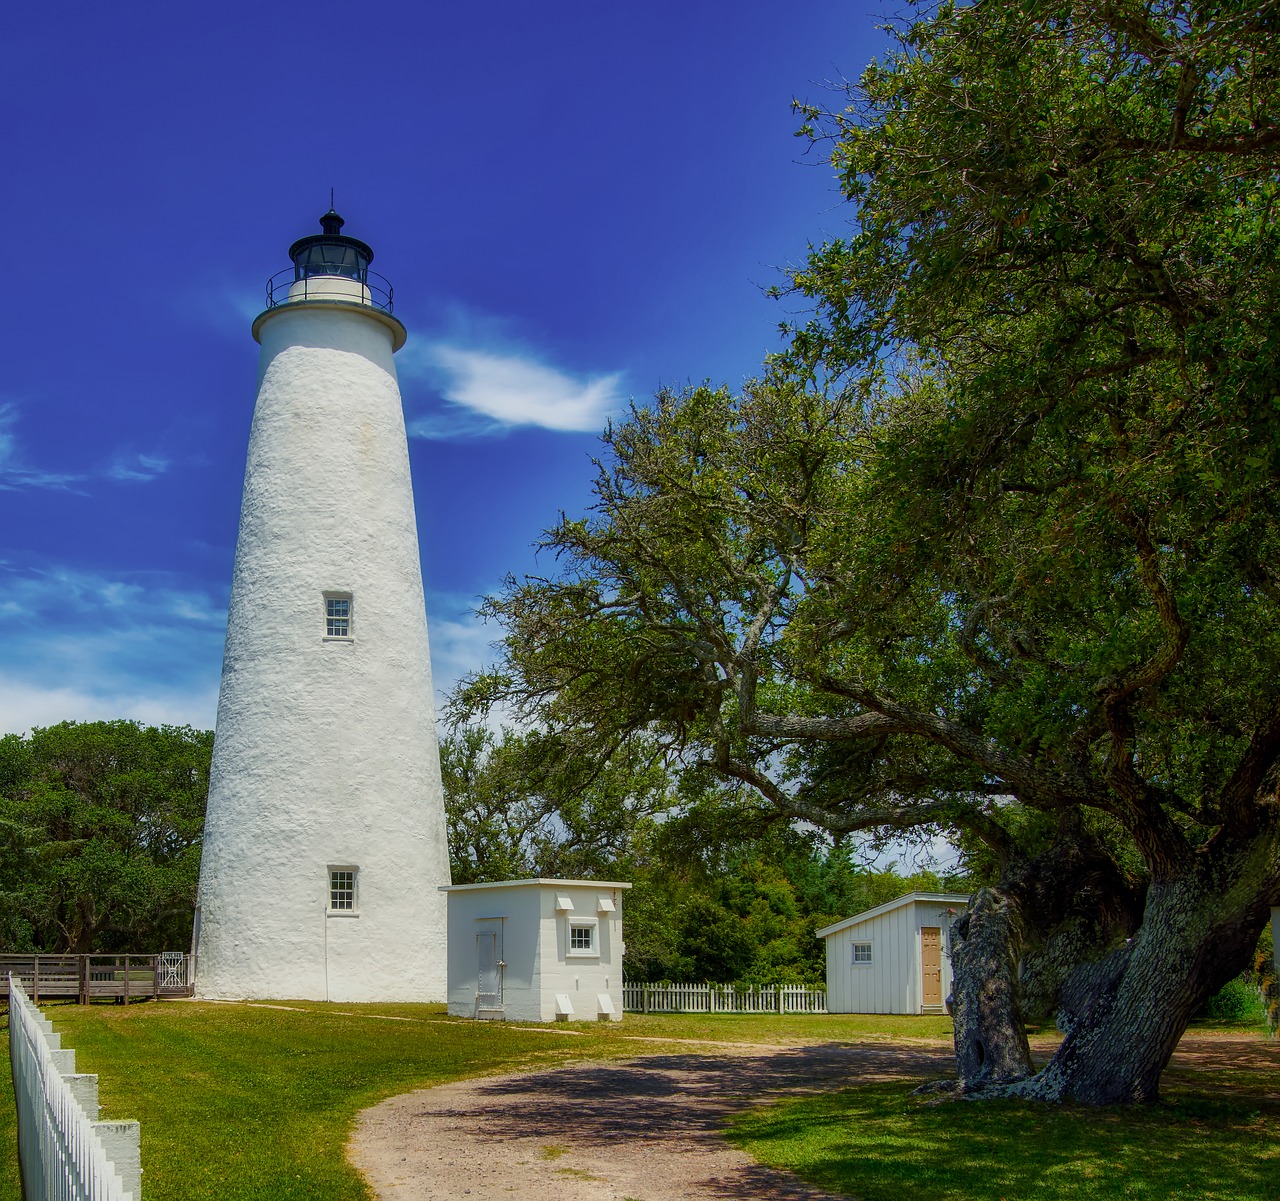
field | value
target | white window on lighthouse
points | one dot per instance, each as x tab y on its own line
342	889
337	615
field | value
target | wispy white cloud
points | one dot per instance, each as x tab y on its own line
133	466
489	391
82	645
27	703
215	300
14	471
460	642
85	646
453	424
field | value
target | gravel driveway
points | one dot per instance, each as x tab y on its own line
636	1130
650	1129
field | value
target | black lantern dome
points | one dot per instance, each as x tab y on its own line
331	252
331	269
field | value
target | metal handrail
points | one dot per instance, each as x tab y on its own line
280	290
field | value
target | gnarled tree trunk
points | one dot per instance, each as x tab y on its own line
1021	941
991	1043
1124	1012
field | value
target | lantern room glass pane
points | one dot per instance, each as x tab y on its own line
329	258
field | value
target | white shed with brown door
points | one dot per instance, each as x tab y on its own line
895	958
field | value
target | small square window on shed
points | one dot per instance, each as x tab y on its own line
861	954
337	615
581	941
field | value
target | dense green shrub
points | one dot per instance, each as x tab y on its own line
1235	1001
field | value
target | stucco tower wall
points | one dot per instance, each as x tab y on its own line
325	753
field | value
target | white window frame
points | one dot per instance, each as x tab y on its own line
330	873
861	944
349	619
582	923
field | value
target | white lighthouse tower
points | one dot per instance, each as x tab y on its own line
324	845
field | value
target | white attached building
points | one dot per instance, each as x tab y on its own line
895	958
536	950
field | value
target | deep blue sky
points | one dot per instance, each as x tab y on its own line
576	204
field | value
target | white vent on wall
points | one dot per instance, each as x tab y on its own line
605	1002
604	905
563	1004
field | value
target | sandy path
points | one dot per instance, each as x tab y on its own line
649	1129
637	1130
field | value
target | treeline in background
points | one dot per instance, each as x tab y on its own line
100	827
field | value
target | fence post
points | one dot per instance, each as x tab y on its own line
35	979
644	1004
122	1141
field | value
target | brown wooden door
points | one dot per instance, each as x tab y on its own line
931	964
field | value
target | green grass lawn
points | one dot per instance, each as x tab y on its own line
1215	1135
881	1144
243	1103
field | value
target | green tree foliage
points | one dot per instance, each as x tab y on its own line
519	805
993	547
754	921
100	825
724	889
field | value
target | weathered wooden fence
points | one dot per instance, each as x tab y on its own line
723	998
126	977
64	1153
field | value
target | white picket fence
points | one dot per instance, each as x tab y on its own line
64	1154
723	998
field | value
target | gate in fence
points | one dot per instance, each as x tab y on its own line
64	1153
723	998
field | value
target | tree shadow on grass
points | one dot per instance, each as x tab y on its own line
657	1095
681	1100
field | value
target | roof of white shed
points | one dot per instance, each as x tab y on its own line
941	898
539	880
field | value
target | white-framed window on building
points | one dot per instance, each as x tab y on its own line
342	889
582	938
337	615
861	954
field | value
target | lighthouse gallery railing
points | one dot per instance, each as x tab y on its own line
375	290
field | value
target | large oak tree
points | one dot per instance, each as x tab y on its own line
993	548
